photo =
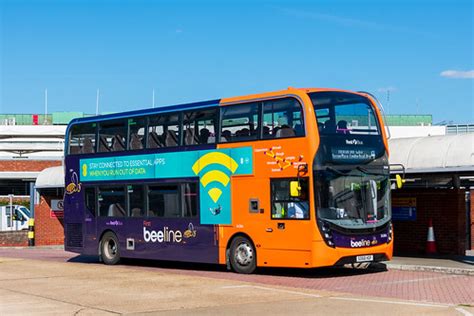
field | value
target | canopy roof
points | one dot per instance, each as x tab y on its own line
447	153
52	177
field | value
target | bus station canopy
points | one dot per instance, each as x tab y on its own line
52	177
434	154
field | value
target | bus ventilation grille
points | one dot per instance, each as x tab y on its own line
74	235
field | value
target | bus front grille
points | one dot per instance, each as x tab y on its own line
74	235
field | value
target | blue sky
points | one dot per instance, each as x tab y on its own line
198	50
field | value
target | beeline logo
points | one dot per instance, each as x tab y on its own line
360	243
165	235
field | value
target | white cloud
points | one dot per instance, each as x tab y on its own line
457	74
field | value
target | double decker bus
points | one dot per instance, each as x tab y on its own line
293	178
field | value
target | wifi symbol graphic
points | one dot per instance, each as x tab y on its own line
215	175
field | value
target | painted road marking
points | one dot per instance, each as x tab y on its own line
390	302
466	313
400	282
270	289
463	311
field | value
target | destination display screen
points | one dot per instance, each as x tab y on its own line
349	155
345	149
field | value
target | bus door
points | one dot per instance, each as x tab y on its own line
289	226
90	215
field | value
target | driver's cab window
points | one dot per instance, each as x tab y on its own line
285	206
19	215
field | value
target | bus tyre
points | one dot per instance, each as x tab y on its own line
109	249
242	255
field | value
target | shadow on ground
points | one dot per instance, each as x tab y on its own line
326	272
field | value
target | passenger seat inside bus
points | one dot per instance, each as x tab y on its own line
103	144
87	146
118	143
116	210
135	142
285	131
154	140
136	212
190	137
171	139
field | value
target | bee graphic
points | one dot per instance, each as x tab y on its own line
216	211
74	186
190	232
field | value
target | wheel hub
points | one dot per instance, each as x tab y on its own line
243	254
111	249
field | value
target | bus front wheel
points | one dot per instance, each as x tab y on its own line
242	255
109	249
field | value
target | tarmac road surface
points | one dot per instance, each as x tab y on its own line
54	282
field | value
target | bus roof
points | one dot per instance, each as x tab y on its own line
197	105
161	109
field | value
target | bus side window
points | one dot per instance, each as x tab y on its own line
90	199
284	206
112	136
136	137
199	127
163	131
190	203
112	201
163	200
282	118
82	139
239	122
136	197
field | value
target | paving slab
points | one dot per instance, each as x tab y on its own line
452	265
45	287
382	283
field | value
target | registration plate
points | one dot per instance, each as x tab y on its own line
365	258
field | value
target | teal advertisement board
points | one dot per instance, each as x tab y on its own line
213	167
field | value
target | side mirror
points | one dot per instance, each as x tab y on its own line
399	181
295	189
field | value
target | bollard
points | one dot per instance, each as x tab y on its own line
31	232
430	241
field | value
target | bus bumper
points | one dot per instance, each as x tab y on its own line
324	256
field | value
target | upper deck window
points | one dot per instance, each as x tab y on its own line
82	139
199	127
163	131
112	136
136	133
240	122
344	113
282	118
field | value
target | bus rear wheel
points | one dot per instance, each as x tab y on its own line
242	255
109	249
